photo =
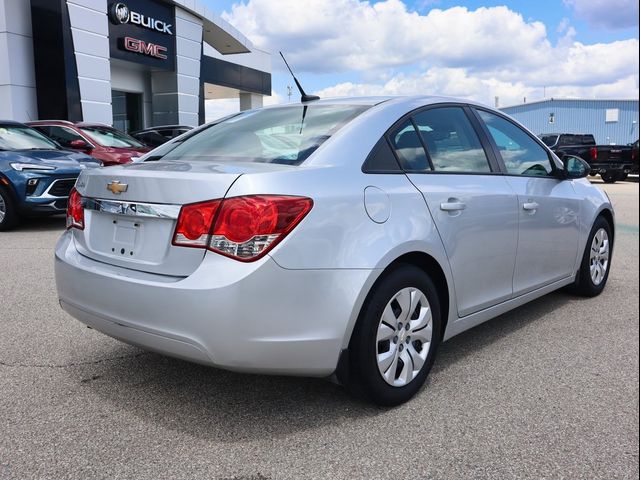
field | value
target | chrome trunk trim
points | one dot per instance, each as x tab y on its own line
132	209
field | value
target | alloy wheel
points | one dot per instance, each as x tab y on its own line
3	209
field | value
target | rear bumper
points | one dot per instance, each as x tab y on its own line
252	317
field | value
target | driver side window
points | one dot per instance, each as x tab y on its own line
63	136
521	154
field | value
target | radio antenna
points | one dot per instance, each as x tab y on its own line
304	97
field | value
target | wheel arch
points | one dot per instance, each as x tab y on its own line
431	267
607	214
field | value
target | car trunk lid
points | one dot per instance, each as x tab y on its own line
131	211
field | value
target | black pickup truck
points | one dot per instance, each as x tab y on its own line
612	162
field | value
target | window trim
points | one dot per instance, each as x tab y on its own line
555	171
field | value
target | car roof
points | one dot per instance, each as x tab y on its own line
160	127
51	122
12	123
377	100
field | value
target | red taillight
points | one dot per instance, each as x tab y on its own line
194	224
593	153
244	228
75	210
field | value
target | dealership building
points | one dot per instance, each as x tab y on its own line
611	122
132	64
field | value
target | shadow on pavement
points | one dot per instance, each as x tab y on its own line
229	407
41	224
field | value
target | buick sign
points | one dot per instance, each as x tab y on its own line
120	14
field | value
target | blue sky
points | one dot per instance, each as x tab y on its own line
475	49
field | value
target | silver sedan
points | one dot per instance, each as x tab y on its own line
343	238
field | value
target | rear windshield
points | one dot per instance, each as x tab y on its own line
577	140
285	135
108	137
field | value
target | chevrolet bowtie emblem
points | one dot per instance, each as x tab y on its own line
116	187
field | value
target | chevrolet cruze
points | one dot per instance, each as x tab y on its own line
343	237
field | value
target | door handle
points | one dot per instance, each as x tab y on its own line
530	206
452	206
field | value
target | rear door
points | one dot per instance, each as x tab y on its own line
474	208
548	207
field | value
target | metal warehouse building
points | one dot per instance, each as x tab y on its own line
612	122
133	63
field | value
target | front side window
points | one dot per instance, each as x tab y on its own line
109	137
521	154
284	135
16	137
452	143
64	136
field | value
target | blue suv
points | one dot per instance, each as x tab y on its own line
36	174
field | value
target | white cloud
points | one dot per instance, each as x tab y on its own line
330	36
611	14
469	53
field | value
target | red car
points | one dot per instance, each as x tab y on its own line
103	142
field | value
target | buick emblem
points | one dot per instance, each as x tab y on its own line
119	13
116	187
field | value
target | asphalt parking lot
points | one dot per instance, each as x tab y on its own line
549	390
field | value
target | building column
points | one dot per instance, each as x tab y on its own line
90	31
17	74
188	55
249	101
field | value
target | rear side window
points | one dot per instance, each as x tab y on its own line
381	159
408	147
521	154
452	143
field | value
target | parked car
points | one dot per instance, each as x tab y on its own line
612	162
107	144
155	136
36	174
336	237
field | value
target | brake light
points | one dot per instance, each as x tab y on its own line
194	224
593	153
75	210
243	228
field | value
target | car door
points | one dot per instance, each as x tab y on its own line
548	215
473	207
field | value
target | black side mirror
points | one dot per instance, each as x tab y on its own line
575	167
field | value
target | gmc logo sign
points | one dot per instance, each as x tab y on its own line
140	46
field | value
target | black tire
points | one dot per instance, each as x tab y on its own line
622	177
10	217
608	177
584	285
364	375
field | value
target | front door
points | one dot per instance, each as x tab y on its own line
548	208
